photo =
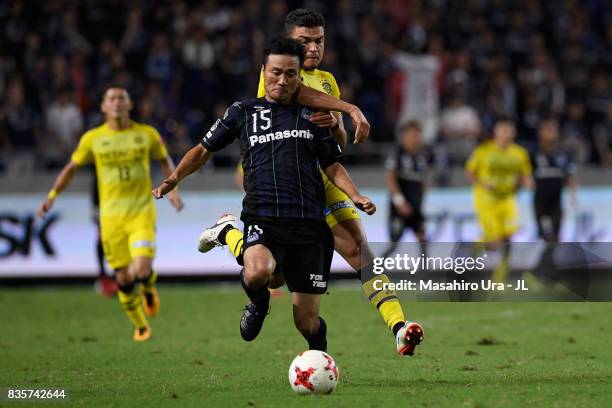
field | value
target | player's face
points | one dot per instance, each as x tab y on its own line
116	103
549	132
503	133
281	77
313	39
412	139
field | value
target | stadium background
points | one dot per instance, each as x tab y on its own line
453	65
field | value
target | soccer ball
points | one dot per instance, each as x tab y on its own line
313	372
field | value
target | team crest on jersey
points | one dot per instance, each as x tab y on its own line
327	87
253	233
305	113
138	139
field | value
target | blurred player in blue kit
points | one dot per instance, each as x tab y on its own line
406	172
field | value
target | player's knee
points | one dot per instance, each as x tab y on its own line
123	277
141	271
258	273
352	250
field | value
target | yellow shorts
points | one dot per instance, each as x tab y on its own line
124	242
498	218
338	206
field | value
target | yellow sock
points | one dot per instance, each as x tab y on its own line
234	241
132	305
385	301
150	282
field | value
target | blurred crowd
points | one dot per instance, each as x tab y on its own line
185	61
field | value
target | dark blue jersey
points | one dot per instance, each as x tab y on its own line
550	172
411	170
281	154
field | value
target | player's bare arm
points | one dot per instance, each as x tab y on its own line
334	122
527	182
321	101
167	166
339	176
61	182
397	198
193	160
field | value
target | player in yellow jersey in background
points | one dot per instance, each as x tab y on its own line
121	150
497	168
308	27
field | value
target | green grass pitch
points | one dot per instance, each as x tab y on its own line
474	355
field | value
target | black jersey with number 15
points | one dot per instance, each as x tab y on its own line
281	152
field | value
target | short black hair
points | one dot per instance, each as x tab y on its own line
550	118
504	118
410	125
283	45
303	18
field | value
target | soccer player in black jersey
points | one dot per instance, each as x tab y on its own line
552	170
406	172
308	27
286	238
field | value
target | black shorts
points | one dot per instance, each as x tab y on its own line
548	217
303	249
397	224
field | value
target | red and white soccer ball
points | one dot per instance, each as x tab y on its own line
313	372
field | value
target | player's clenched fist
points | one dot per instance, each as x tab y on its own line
364	204
164	188
324	119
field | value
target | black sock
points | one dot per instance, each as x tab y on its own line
259	296
126	288
397	327
318	341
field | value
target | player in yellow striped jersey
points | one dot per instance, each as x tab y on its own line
308	27
121	150
497	168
